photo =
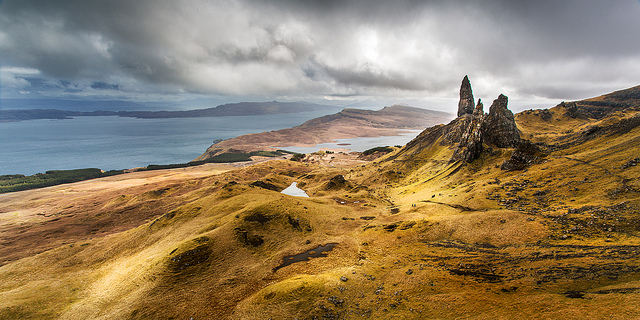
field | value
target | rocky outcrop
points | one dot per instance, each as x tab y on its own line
524	156
466	104
478	111
470	146
499	127
265	185
336	183
473	129
470	142
572	110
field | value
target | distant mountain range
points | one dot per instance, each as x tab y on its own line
225	110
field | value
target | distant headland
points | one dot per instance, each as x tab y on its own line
225	110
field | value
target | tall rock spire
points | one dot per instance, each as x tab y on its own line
498	128
466	104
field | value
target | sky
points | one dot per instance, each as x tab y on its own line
410	52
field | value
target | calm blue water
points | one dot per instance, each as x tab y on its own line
29	147
361	144
109	143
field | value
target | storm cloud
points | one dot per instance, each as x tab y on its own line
395	50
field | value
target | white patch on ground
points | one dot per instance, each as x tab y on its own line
293	190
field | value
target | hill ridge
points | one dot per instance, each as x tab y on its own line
348	123
224	110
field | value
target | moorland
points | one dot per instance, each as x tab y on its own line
490	216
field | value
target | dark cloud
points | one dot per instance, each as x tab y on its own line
99	85
367	76
530	50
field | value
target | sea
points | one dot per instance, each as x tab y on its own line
114	143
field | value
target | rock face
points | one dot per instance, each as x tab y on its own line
470	146
473	128
472	131
499	127
466	104
572	109
478	111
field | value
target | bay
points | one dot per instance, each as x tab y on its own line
113	143
361	144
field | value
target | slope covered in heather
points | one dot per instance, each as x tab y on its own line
539	219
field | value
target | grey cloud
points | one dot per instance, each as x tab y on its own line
325	47
99	85
366	77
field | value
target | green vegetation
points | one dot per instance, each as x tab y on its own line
376	149
276	153
297	157
221	158
19	182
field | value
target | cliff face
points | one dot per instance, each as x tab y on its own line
499	127
602	106
471	138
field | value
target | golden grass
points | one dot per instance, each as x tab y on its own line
418	239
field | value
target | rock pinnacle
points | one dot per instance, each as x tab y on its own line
466	104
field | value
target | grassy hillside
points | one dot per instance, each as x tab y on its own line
417	236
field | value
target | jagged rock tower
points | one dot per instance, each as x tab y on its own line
478	111
470	145
473	127
466	104
499	127
471	131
